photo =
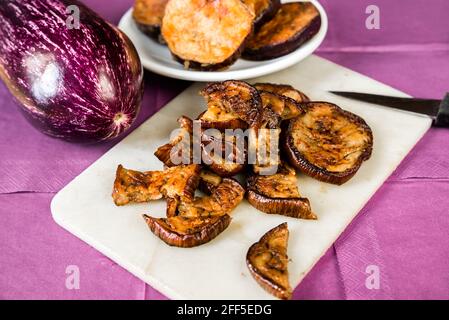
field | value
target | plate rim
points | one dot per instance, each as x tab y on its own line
277	64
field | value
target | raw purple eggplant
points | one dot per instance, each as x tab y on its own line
81	82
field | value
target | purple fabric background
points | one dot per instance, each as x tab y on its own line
403	230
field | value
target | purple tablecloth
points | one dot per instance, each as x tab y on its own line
402	232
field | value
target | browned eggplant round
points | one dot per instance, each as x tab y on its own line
264	10
187	232
327	142
148	16
207	35
293	24
267	262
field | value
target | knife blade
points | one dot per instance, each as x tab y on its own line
438	110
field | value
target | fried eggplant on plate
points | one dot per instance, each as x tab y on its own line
327	142
293	24
148	16
263	10
267	262
132	186
207	35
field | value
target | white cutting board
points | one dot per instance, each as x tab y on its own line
217	270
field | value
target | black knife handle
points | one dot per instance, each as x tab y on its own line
442	119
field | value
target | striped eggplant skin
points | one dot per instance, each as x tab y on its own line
82	83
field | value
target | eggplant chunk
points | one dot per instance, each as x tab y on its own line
235	98
148	16
267	262
134	186
283	90
187	232
279	194
207	35
223	200
263	10
327	142
293	24
190	224
226	161
282	106
209	181
216	117
167	152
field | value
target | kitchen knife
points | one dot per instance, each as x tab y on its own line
438	110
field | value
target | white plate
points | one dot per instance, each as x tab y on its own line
157	58
217	270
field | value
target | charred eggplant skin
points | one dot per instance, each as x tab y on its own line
294	207
297	160
266	14
175	239
154	32
275	49
194	65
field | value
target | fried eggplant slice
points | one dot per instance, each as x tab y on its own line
267	262
216	117
293	24
284	90
282	106
278	194
327	142
263	10
190	224
225	155
209	181
236	98
187	232
179	147
207	35
134	186
223	200
148	16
